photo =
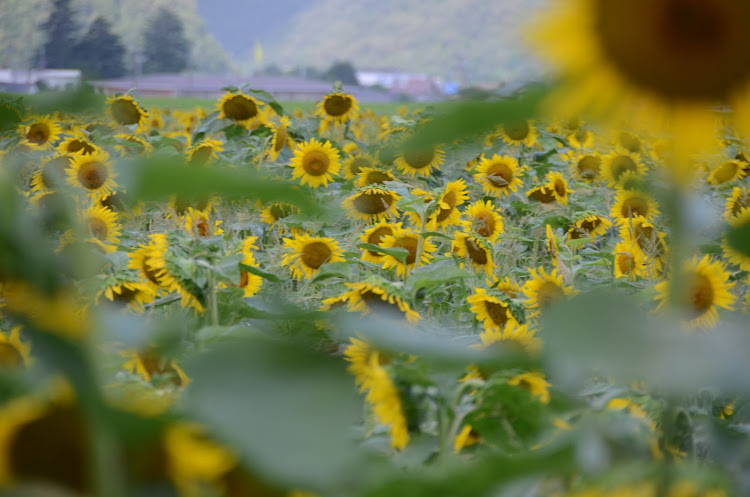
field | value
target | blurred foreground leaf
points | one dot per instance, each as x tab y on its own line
739	238
286	410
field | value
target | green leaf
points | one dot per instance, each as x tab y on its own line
435	234
431	276
739	238
286	410
397	252
259	272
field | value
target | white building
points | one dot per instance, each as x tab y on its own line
30	80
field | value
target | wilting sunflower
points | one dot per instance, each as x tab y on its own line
93	173
521	132
740	221
241	108
338	107
77	143
544	289
371	203
476	251
369	298
133	295
728	171
409	240
306	254
737	201
706	287
483	219
585	167
629	260
662	63
491	311
125	111
40	133
499	175
373	176
204	152
420	161
589	226
629	204
14	352
356	163
276	211
315	162
543	194
453	196
280	137
620	162
249	282
534	382
374	235
51	174
102	224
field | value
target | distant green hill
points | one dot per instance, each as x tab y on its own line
470	40
20	37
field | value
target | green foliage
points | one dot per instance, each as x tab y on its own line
60	31
165	46
342	71
100	53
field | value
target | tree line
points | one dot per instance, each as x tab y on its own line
99	51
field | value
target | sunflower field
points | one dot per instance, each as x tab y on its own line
537	295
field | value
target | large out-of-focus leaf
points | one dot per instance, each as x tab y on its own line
397	252
286	410
161	177
739	238
611	335
430	277
81	99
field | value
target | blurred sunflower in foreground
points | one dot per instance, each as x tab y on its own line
668	64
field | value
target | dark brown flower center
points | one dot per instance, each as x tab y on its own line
92	175
449	198
315	163
419	159
701	294
517	130
484	224
376	236
358	163
500	175
498	313
634	206
98	228
126	112
476	252
543	194
373	202
589	166
337	105
240	108
621	164
315	254
38	133
409	243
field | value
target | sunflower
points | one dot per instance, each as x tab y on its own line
543	194
492	312
589	227
374	235
544	289
465	438
280	137
149	364
141	262
77	143
507	287
93	173
559	186
522	132
197	224
366	298
356	163
620	162
337	107
373	176
316	163
629	260
484	220
276	211
420	161
249	282
125	111
454	195
133	295
476	251
534	382
102	224
132	145
740	221
409	240
731	170
513	333
306	254
51	174
40	133
241	108
499	175
581	139
629	204
371	203
182	205
204	152
661	63
737	201
14	352
706	288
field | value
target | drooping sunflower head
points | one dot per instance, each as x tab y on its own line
204	152
374	235
338	107
280	137
14	352
589	226
40	133
306	254
493	312
371	203
76	143
249	282
241	108
545	289
544	194
151	365
315	163
453	196
740	221
276	211
369	298
132	295
476	251
125	111
93	174
499	175
728	171
737	201
629	204
413	160
706	288
559	186
483	219
132	145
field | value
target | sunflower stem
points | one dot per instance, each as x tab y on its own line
213	304
420	241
